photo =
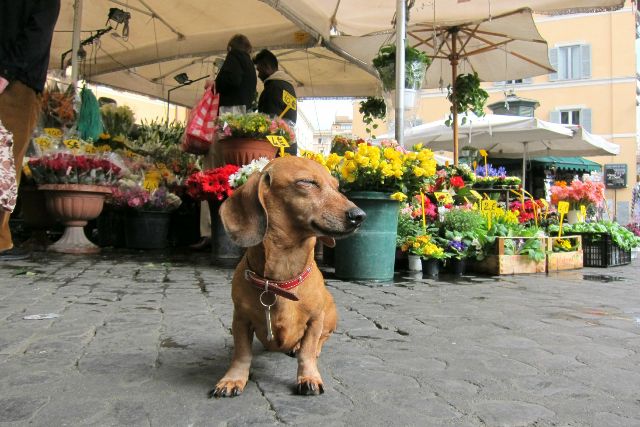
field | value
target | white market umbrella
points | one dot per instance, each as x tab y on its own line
512	137
503	47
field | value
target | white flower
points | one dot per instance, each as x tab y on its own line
240	177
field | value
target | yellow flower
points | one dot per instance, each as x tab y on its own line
349	155
418	171
54	132
399	196
362	160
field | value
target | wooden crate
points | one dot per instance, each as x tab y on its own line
557	261
502	264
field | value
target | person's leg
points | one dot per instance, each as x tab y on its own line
19	109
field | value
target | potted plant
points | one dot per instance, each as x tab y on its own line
577	193
146	223
372	108
376	178
416	63
243	137
429	253
467	96
341	144
75	186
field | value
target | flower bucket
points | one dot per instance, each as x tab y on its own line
430	267
415	263
573	216
456	266
241	151
147	229
369	254
111	230
224	253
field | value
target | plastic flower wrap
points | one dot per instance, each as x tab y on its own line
254	125
242	175
69	168
129	194
212	184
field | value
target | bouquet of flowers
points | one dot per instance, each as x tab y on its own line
253	125
69	168
212	184
525	212
242	175
373	168
578	193
129	194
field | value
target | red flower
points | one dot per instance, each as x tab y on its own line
211	184
456	181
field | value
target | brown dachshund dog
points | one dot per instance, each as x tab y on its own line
278	291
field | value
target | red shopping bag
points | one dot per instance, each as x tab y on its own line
200	131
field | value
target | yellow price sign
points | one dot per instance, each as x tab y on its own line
583	213
72	144
289	100
475	194
544	203
483	153
563	207
443	197
488	205
278	141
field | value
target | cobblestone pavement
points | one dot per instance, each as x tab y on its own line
140	340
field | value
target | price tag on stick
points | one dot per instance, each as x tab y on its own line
278	141
563	208
290	101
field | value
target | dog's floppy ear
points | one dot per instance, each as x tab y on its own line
243	215
328	241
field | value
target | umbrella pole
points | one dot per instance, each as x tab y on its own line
75	45
400	70
524	165
454	73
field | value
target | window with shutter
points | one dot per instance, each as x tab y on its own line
585	119
571	62
554	117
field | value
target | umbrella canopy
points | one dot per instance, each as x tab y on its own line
362	17
166	38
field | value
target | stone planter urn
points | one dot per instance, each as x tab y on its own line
74	205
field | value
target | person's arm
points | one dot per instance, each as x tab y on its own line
271	100
34	41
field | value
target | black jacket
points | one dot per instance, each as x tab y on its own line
271	102
26	31
236	80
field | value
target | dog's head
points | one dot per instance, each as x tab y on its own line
294	197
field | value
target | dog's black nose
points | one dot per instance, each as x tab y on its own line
355	216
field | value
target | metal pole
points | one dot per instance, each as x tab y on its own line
454	73
524	165
401	28
75	44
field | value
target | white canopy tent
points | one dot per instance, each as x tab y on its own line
167	38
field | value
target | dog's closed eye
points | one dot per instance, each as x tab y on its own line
307	183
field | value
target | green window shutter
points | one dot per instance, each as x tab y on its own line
585	119
585	56
554	116
553	59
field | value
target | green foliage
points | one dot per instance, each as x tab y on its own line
621	236
463	221
160	133
416	62
117	121
532	247
371	109
468	96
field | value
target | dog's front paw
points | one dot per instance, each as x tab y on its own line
228	388
309	386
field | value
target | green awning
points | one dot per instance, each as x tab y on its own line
561	163
569	163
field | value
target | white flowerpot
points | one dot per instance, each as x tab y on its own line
414	263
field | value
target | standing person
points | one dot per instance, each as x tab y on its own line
276	82
236	84
26	31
